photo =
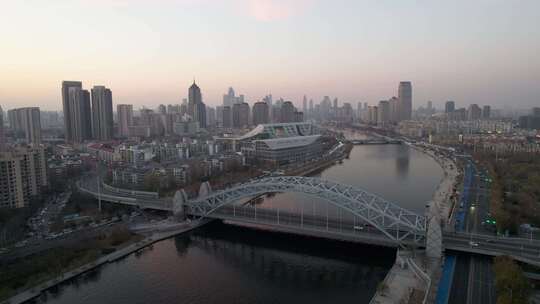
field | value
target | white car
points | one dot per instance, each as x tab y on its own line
473	244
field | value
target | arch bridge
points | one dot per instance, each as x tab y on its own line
396	223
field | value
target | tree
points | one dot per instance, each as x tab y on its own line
512	286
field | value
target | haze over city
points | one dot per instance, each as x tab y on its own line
148	52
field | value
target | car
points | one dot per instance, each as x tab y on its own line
473	244
358	228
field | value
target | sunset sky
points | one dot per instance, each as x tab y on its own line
148	52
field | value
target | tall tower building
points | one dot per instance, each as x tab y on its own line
125	118
287	112
227	117
260	113
27	122
405	100
240	115
383	113
449	107
2	134
196	108
194	96
486	112
304	105
80	114
65	106
102	113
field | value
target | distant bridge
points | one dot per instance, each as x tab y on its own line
378	141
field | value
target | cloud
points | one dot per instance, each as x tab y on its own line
271	10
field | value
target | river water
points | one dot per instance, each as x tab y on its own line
222	263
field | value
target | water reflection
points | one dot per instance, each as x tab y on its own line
402	162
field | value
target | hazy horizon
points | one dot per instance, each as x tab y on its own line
148	52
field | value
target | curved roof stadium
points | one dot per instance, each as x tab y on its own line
282	130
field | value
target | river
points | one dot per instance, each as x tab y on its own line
221	263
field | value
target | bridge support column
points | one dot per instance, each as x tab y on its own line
205	189
179	199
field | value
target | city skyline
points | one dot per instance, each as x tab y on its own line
261	47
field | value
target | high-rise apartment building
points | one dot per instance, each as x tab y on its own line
102	113
23	174
383	113
79	114
287	112
260	113
240	115
26	122
474	112
2	134
65	106
449	107
486	112
227	117
405	100
125	119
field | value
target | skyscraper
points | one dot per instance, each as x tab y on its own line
486	112
227	117
102	113
125	119
27	122
405	100
2	134
80	114
287	112
474	112
449	107
260	113
194	96
240	115
65	106
196	107
304	105
383	113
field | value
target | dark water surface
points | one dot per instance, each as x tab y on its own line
221	263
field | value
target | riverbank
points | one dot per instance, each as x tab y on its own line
36	291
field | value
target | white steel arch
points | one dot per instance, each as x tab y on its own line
395	222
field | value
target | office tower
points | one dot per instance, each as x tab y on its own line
23	175
268	100
486	112
79	114
26	122
65	107
194	97
449	107
298	116
310	113
102	113
393	115
335	103
276	113
405	100
474	112
196	107
304	104
260	113
429	105
535	111
227	117
2	134
287	112
383	113
240	115
125	119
